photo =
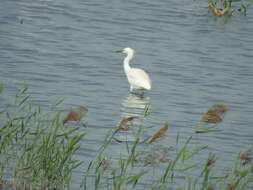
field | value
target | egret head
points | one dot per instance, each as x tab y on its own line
127	51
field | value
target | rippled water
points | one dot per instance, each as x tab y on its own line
66	49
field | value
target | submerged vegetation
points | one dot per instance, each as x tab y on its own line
38	153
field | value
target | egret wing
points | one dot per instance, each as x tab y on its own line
139	78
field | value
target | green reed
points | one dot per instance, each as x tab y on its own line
124	174
37	153
37	148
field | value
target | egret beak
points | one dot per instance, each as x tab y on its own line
119	51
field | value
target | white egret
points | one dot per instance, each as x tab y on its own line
137	78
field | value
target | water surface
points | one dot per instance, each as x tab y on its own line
67	49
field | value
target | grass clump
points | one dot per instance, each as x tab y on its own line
37	149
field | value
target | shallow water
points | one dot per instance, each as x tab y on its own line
66	49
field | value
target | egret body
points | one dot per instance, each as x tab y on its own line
137	78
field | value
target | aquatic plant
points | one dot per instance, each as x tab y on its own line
133	168
160	133
125	123
1	87
222	8
47	160
214	115
76	114
246	156
218	11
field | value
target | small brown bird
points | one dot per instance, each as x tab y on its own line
76	114
125	122
160	133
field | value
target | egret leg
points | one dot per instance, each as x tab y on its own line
131	88
139	94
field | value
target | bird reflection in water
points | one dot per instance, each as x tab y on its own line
133	111
135	104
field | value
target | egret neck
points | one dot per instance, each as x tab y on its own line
127	60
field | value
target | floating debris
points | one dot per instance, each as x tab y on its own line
215	114
246	156
226	10
160	133
125	122
76	114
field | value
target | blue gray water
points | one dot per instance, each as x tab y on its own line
63	48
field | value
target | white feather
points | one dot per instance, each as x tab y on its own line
137	78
